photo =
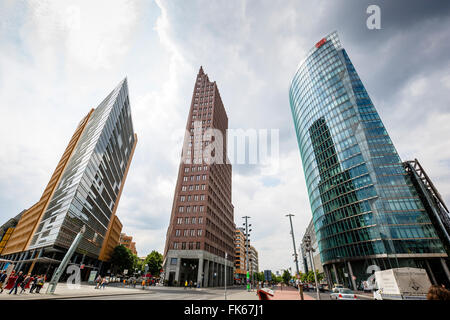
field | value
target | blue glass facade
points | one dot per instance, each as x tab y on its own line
362	200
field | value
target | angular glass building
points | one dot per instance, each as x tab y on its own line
84	189
365	209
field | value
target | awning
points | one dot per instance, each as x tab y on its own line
39	260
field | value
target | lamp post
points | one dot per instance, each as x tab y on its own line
226	256
310	250
54	281
293	242
246	251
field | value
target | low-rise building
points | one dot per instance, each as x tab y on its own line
239	261
306	261
127	242
7	229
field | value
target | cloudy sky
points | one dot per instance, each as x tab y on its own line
58	59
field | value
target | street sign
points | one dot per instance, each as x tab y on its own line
125	271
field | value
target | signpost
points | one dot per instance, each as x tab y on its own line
226	256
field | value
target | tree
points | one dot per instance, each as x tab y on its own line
260	276
154	262
310	276
121	259
286	276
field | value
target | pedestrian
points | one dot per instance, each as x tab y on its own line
3	277
25	283
34	282
40	283
17	283
438	293
185	285
98	281
104	283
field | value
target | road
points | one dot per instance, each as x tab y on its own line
170	293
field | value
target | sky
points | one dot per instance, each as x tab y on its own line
59	59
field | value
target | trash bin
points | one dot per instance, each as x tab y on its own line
264	294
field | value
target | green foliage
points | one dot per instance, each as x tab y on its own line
154	262
122	258
276	279
309	276
260	276
286	276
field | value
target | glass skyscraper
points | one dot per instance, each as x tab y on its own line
365	209
84	190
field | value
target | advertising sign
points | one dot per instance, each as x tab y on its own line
92	276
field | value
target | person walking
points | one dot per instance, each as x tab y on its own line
98	281
19	280
104	283
25	283
40	283
185	285
3	277
34	281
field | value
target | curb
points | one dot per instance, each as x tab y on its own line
101	295
53	297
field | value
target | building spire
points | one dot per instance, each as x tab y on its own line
201	70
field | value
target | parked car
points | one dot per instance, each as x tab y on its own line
343	294
337	287
322	287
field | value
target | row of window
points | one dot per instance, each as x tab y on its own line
192	178
189	232
194	209
196	197
191	188
194	168
186	246
190	220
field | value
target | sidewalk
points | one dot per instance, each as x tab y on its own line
288	293
64	291
239	295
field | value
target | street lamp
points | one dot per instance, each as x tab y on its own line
293	242
246	251
310	250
